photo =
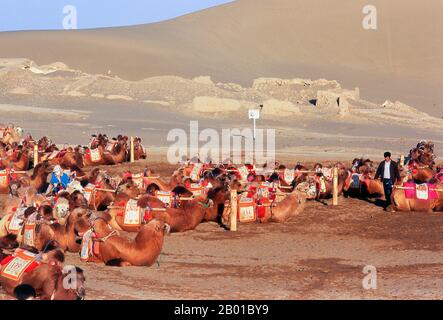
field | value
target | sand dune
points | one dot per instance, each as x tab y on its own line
46	112
248	39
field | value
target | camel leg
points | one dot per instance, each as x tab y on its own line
391	208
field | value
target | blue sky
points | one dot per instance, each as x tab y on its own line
48	14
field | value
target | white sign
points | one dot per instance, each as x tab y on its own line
254	114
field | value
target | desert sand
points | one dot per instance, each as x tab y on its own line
319	254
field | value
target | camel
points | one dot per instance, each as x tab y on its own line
19	164
64	235
94	157
45	274
189	216
280	210
145	206
423	153
45	145
156	184
105	245
362	166
99	140
12	135
301	174
38	178
325	187
363	185
180	219
76	199
404	200
118	155
139	149
100	200
421	173
67	159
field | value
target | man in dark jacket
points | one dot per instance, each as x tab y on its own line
388	173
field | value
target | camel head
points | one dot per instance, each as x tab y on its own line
219	195
129	188
158	227
9	242
86	220
77	200
70	284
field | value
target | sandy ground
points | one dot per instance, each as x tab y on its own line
304	137
319	254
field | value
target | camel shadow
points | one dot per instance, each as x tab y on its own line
322	201
377	202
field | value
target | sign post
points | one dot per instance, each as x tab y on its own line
254	114
233	220
335	187
35	155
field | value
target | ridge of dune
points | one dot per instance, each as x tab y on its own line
247	39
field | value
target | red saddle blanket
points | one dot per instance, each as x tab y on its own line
425	191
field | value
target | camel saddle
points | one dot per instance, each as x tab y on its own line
15	266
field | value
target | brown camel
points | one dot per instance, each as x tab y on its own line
19	164
12	135
421	173
362	185
189	216
139	149
401	202
46	230
325	187
104	244
45	274
141	213
280	210
94	157
38	178
67	159
119	154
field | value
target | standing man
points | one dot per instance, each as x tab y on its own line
388	173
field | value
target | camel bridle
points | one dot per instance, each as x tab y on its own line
105	238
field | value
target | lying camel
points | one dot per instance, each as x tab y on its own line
363	186
27	197
400	202
115	250
19	164
139	149
154	184
118	155
94	157
38	178
12	135
187	217
64	235
68	159
117	212
421	173
279	211
47	277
